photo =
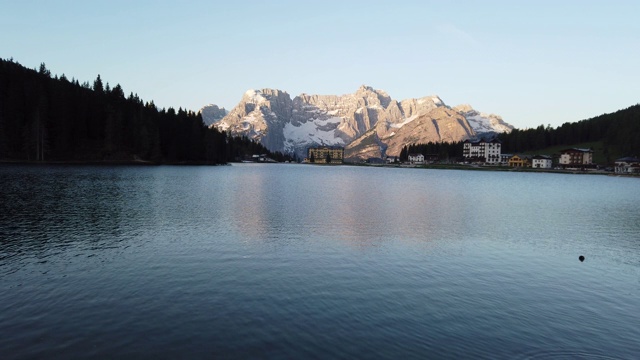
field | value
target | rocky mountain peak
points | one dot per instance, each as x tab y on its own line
212	113
368	115
364	88
482	122
464	108
258	97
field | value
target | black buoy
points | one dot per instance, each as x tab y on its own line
581	258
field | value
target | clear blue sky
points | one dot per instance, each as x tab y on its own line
534	62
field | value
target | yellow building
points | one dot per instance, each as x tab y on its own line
325	155
520	161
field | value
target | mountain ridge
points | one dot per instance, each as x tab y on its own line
281	123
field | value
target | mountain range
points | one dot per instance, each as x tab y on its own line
367	123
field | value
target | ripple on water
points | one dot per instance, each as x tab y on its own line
305	261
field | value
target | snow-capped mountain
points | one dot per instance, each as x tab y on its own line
367	123
482	122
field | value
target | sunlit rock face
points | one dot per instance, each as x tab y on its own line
368	123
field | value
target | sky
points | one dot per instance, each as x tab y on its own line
532	62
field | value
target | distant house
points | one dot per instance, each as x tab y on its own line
576	157
325	154
392	159
627	165
260	158
520	161
416	158
541	162
480	150
504	159
257	158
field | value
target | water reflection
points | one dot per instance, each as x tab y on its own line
297	261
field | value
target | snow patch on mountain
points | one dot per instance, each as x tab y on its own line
318	131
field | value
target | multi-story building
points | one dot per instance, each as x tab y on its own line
542	162
576	157
485	151
325	155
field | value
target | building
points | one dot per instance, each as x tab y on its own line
416	158
627	165
504	159
576	157
520	161
542	162
325	155
484	151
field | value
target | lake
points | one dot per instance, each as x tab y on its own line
287	261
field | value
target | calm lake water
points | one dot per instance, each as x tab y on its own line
294	261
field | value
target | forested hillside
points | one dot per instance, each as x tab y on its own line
51	118
619	132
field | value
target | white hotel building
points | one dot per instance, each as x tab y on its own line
487	151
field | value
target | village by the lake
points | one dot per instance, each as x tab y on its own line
485	154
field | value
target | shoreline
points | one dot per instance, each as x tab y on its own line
498	168
106	162
403	166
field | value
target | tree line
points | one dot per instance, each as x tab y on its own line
51	118
444	151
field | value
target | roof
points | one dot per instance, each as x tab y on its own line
628	159
542	157
478	142
575	150
415	154
326	148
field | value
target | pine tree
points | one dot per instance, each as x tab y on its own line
97	85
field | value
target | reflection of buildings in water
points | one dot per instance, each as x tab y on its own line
333	204
401	211
249	204
266	205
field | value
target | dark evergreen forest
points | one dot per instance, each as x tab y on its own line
444	151
51	118
618	131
